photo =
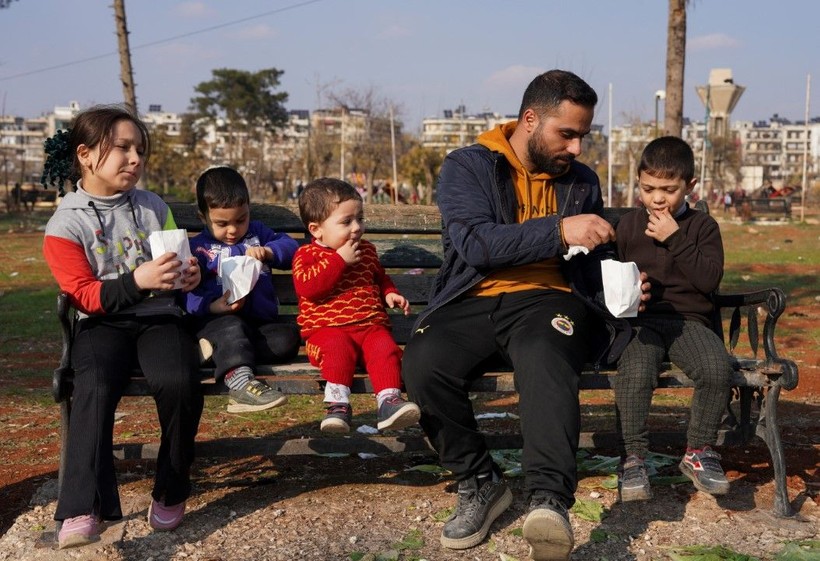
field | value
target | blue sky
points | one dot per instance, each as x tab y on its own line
424	55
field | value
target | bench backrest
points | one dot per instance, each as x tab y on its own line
409	247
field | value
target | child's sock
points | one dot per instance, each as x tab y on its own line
239	377
385	393
337	393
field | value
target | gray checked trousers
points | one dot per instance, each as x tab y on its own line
698	352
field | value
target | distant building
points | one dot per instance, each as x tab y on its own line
455	128
167	122
777	147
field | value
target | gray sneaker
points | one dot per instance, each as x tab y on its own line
397	413
256	396
479	504
703	468
338	418
547	528
633	480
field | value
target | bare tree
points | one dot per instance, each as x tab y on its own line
675	63
126	74
370	148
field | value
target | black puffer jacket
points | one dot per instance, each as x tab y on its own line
476	197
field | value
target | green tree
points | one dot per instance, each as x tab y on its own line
248	109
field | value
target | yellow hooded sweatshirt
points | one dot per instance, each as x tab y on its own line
536	199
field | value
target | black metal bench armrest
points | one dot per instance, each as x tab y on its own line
63	374
773	302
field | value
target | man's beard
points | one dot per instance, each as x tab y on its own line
543	160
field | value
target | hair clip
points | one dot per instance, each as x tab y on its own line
58	163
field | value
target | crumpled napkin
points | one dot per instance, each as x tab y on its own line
622	287
163	241
239	275
574	250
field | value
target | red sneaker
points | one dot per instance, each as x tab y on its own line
165	518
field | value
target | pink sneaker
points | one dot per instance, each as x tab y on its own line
165	518
79	530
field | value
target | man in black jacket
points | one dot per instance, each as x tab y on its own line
513	207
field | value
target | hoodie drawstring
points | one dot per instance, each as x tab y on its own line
98	213
99	216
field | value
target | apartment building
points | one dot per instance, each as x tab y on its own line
455	128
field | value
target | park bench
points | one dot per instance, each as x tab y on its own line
410	249
779	208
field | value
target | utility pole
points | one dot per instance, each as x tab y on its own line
805	184
393	149
126	75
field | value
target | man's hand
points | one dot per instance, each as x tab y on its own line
191	276
221	306
394	299
159	273
588	230
646	286
661	225
260	253
350	252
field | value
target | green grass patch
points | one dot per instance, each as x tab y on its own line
27	314
25	221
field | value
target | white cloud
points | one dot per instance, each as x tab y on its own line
516	76
711	41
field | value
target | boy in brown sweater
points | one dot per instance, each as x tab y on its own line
681	251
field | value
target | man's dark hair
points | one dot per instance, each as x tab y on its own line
321	196
546	92
668	157
221	187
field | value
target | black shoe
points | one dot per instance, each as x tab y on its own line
547	528
633	481
703	468
480	501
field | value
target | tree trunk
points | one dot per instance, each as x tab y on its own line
675	62
126	74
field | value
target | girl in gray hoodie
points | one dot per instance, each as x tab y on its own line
96	247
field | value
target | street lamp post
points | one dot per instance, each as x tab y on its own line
659	95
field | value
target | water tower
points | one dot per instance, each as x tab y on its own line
719	96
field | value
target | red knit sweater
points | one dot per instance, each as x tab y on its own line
333	293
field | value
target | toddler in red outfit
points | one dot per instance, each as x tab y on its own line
343	289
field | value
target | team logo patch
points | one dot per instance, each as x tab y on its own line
562	324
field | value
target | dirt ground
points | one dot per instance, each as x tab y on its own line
391	507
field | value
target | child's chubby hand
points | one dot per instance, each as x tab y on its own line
396	300
221	306
162	272
259	253
350	252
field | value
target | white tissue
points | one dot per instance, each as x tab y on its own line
239	275
575	250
